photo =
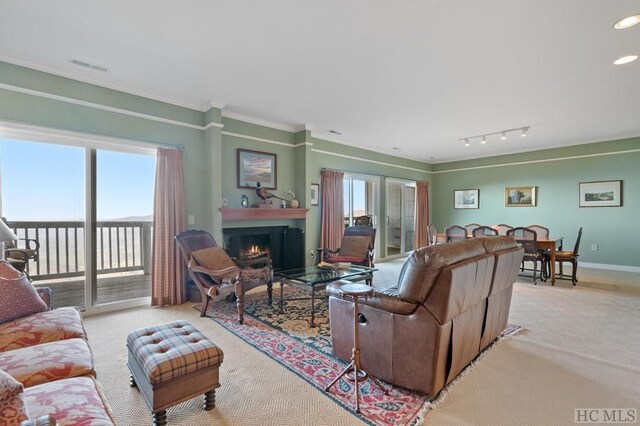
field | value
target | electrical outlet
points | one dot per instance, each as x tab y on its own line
594	247
312	253
191	219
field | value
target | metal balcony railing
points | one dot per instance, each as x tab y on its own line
122	246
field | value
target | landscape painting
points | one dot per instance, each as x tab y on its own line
466	199
520	196
256	166
601	194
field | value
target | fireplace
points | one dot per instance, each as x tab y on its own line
284	244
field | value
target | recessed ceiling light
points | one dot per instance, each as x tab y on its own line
625	59
627	22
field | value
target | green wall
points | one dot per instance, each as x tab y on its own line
556	174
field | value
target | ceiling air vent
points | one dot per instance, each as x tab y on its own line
88	65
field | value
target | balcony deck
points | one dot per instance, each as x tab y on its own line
111	288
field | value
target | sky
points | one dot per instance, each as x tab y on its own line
46	182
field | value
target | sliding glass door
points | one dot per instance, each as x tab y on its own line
51	192
124	206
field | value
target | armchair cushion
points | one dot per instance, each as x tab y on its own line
18	298
355	246
12	408
214	258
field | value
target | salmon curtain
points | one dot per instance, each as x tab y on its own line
167	273
332	216
422	215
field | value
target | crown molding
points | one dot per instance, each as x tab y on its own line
258	121
329	137
79	102
271	141
213	104
366	160
101	83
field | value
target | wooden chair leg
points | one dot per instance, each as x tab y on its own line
204	305
574	277
535	270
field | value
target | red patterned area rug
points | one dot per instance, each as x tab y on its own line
288	339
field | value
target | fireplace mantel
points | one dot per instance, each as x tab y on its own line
263	213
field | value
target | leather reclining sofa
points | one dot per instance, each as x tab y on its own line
450	302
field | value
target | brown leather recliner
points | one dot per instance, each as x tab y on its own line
450	302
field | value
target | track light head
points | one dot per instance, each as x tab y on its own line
466	142
504	135
484	140
524	132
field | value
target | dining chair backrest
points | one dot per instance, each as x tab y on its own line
484	231
470	227
527	237
455	233
431	234
503	228
576	247
540	230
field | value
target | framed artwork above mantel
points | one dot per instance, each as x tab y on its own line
257	166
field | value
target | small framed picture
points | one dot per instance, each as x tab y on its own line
315	194
520	196
466	199
256	166
606	193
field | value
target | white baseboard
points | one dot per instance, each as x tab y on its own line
623	268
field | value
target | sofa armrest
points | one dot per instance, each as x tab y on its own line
46	294
385	299
40	421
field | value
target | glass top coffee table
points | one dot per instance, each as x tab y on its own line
314	278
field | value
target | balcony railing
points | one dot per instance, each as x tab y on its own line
122	246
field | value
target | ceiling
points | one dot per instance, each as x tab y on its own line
417	76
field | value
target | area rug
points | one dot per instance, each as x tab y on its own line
288	339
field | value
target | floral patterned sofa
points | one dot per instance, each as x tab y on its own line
47	372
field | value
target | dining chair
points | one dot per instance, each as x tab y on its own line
541	231
484	231
568	256
455	233
431	234
502	228
470	227
528	239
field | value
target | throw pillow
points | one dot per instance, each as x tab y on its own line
355	246
18	298
12	408
214	258
8	271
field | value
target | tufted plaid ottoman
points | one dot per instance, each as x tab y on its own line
171	363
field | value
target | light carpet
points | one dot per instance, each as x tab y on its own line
580	350
288	339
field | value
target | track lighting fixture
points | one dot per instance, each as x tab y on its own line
503	135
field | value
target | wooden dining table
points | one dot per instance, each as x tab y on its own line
543	243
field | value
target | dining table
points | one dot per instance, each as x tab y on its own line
543	243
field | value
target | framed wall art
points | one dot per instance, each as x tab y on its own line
606	193
256	166
315	194
520	196
466	199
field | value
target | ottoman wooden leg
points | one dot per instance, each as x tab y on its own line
132	381
160	418
210	400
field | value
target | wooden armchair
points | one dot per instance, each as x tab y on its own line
356	248
216	274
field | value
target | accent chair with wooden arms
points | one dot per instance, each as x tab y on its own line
454	233
356	248
216	274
